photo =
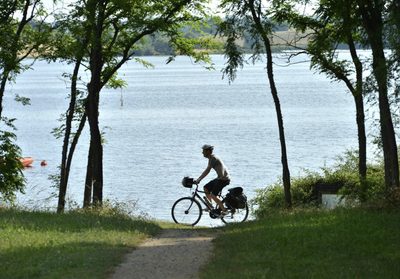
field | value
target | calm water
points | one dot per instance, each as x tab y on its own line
158	124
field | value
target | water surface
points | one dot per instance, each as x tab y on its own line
157	125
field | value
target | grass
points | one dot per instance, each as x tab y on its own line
73	245
343	243
76	244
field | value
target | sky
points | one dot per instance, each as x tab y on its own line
49	3
214	3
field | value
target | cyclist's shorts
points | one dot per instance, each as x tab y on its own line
215	186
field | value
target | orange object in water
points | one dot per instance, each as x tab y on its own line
43	163
26	161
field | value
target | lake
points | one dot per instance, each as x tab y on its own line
155	128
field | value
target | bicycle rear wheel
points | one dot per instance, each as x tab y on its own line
236	215
186	211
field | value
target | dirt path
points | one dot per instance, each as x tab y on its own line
173	254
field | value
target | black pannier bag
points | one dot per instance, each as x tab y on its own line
236	198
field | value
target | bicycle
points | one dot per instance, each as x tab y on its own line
188	210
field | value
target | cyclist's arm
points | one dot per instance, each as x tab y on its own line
204	174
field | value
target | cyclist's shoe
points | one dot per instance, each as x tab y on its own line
221	214
224	213
217	213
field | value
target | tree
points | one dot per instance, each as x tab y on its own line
11	176
68	49
105	35
23	32
332	24
374	15
393	25
374	23
252	17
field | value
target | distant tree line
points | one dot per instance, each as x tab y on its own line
160	45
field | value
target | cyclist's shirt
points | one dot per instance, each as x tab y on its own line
216	163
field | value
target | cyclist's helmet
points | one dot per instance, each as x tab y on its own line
208	147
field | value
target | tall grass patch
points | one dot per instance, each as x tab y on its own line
341	243
80	244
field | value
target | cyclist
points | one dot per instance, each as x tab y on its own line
215	186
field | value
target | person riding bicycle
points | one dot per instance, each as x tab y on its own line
216	185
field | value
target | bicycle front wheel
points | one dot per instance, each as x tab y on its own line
236	215
186	211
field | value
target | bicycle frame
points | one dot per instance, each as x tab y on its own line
189	210
196	195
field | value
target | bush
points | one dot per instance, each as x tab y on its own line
272	198
12	179
370	191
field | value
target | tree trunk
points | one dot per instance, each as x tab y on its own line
358	98
96	146
371	12
2	89
89	179
274	92
96	16
362	139
65	156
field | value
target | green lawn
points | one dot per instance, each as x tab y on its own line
310	244
304	244
74	245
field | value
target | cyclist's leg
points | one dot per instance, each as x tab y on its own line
208	188
220	184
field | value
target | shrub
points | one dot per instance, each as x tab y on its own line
12	179
370	191
272	198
